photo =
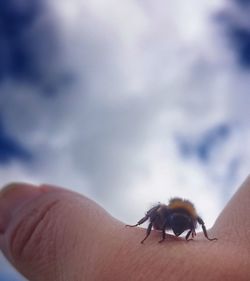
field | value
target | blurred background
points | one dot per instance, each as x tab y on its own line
128	102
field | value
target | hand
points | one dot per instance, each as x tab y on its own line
49	233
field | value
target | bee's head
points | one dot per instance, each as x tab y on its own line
180	222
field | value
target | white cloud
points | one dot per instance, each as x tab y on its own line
143	72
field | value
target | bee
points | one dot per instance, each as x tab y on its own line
179	216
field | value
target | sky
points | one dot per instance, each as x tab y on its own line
127	102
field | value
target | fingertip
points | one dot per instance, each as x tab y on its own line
49	225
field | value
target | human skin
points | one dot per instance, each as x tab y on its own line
49	233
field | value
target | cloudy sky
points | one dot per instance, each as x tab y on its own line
128	102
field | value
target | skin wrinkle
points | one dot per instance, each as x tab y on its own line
66	209
23	216
60	248
44	258
29	232
40	221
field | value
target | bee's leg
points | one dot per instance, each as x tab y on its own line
163	232
191	231
150	214
163	236
141	221
201	222
188	234
148	232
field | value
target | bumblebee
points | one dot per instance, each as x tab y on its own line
179	216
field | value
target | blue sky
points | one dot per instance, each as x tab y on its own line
128	102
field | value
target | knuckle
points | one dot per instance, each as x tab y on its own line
34	231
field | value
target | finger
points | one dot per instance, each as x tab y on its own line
234	221
48	233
